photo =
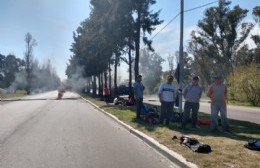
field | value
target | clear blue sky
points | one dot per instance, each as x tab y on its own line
51	23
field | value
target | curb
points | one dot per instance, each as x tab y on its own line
176	158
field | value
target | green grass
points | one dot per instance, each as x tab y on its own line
227	150
18	93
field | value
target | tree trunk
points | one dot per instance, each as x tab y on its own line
137	42
115	73
99	86
109	75
94	86
130	71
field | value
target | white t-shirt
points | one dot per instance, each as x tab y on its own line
167	92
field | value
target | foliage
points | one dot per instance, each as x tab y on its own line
112	27
9	66
256	13
220	35
244	84
151	69
145	22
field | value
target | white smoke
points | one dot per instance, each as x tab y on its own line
20	82
77	82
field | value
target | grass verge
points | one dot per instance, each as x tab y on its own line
227	150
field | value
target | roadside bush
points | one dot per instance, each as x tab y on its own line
244	84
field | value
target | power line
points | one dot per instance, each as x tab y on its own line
179	14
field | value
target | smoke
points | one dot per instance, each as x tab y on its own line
20	82
77	82
42	79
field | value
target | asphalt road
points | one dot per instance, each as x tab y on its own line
41	132
233	112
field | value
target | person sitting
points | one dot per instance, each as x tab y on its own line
130	101
118	100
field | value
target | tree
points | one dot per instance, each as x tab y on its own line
151	69
9	66
256	37
244	84
145	21
219	37
28	59
2	57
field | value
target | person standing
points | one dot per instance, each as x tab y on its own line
138	95
218	93
106	94
166	93
192	94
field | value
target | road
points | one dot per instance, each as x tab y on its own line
41	132
233	112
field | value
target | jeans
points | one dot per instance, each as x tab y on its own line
214	117
139	105
166	111
194	107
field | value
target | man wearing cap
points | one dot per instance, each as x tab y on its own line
138	94
192	94
218	93
167	93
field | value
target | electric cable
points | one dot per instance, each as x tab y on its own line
179	14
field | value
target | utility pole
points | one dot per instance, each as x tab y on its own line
181	59
170	60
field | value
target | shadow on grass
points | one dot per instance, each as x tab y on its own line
144	124
241	130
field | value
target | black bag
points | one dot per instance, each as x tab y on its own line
253	144
195	145
201	148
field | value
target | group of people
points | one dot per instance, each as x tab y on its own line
192	93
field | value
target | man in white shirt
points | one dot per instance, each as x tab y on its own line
167	93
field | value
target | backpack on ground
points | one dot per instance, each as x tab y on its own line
253	144
194	144
152	116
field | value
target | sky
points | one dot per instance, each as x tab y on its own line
52	22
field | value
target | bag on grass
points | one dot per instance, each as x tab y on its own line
253	144
194	144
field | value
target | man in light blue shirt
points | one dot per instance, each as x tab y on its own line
138	95
192	94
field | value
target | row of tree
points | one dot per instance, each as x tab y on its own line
112	34
27	74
